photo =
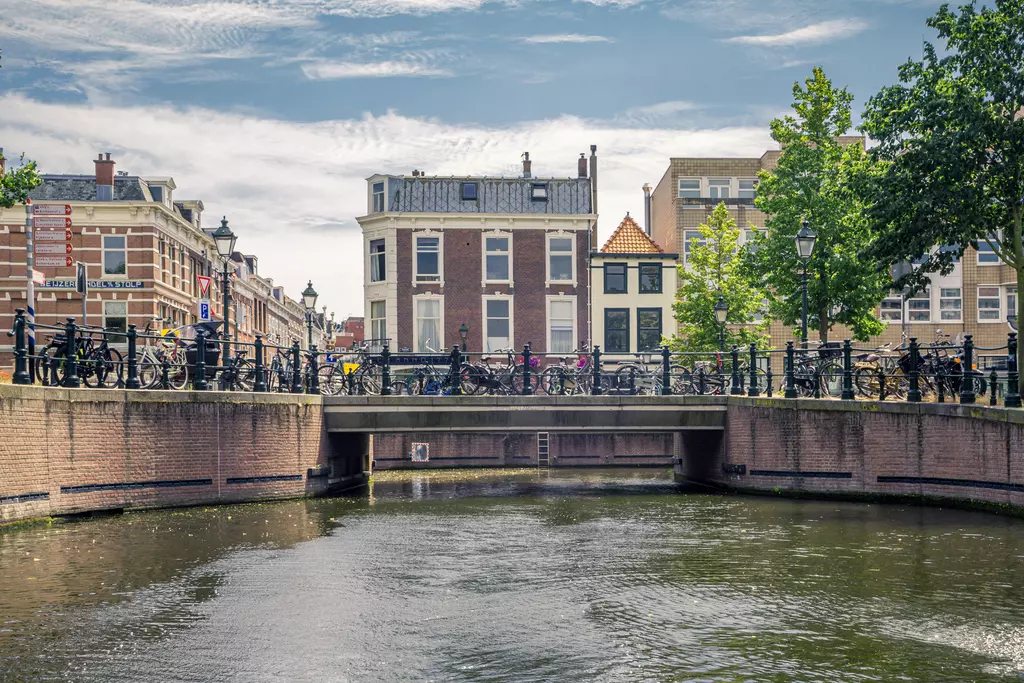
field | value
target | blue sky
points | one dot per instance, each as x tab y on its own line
273	111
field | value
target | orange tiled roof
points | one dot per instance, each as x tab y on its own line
630	238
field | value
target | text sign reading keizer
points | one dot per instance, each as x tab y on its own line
53	222
51	209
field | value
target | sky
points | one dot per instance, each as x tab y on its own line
274	112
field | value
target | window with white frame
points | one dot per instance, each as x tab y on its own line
497	323
539	192
986	255
378	321
115	317
428	259
892	309
689	188
561	252
718	188
115	255
747	188
378	197
561	325
989	299
919	307
429	323
951	303
378	272
1011	301
497	258
690	237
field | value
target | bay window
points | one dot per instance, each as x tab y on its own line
378	272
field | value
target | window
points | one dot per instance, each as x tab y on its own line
498	324
378	272
1011	301
616	330
950	303
560	258
748	188
615	278
986	256
539	192
378	197
689	237
115	255
648	329
428	325
469	192
428	259
919	307
496	258
115	318
561	324
689	188
892	309
718	188
988	304
650	278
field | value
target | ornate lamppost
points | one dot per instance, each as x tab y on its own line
804	248
225	240
721	313
309	301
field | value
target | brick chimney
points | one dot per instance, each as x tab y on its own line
526	165
581	165
104	178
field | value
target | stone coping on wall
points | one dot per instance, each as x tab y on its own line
86	395
976	411
527	401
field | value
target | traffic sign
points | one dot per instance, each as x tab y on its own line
51	209
204	285
205	312
54	261
53	222
54	236
38	277
53	248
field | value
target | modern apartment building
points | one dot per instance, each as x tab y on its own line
502	259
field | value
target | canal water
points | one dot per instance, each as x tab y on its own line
582	575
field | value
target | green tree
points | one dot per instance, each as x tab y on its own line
952	134
17	183
814	182
713	270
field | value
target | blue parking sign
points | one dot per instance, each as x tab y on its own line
205	315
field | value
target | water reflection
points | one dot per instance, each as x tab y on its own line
584	575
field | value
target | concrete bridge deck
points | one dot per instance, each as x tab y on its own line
379	414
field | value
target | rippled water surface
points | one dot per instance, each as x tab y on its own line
518	576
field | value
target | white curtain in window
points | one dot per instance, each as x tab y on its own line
561	326
428	325
498	328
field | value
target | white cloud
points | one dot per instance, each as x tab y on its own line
326	70
814	34
291	190
566	38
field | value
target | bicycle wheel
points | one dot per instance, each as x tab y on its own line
830	377
865	378
627	380
149	373
368	379
50	366
473	379
327	376
244	376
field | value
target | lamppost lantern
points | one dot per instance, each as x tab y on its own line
721	310
309	297
805	240
463	333
224	239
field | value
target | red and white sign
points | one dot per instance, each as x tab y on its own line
53	236
204	285
51	209
38	277
53	222
55	261
53	248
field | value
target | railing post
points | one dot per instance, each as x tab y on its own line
71	380
21	375
132	381
817	381
296	367
385	371
632	380
753	389
527	387
1012	397
596	389
940	385
561	381
261	372
199	382
993	387
848	394
790	372
165	373
914	393
768	378
455	372
666	371
881	384
967	383
736	390
314	377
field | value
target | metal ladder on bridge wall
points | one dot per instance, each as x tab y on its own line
543	461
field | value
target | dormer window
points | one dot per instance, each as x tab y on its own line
469	192
378	197
539	192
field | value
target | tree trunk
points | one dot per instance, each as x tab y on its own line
1020	316
823	325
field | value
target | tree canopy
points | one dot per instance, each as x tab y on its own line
15	184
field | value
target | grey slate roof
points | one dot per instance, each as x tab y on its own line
495	195
83	189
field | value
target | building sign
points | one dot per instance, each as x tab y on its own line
94	284
420	452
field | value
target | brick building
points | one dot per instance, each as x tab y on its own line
349	333
506	257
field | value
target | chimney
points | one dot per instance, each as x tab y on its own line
581	165
104	178
526	165
593	179
647	208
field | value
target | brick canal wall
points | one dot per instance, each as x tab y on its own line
64	451
964	453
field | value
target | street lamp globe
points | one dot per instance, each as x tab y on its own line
805	241
309	297
224	239
464	334
721	310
